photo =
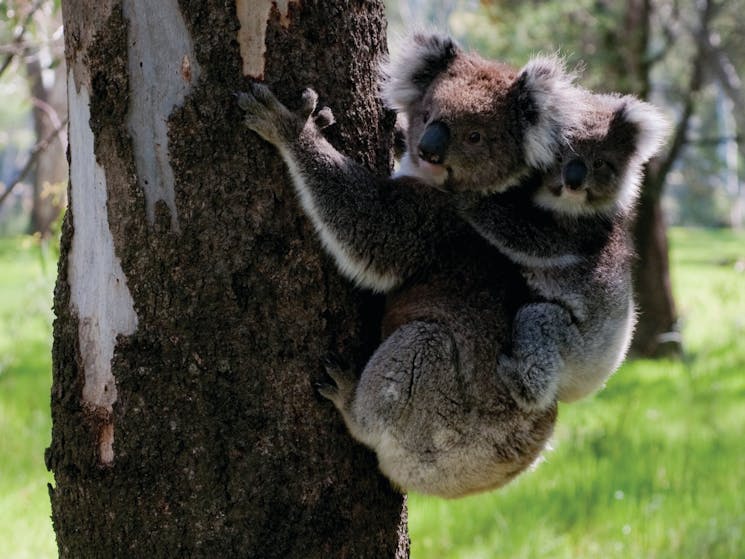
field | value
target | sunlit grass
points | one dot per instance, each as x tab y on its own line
25	378
652	467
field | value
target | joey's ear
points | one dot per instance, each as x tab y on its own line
649	126
550	106
420	59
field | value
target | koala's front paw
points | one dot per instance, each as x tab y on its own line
270	119
324	118
341	391
531	386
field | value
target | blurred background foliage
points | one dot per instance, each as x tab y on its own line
33	117
651	467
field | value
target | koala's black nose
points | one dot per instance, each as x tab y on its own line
574	173
434	142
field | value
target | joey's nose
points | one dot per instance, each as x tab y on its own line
574	174
434	142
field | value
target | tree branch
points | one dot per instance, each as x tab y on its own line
679	137
19	38
33	156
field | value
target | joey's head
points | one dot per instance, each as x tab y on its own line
476	124
599	169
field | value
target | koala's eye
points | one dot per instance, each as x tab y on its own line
474	138
598	164
425	117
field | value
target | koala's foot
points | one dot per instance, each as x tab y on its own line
344	380
270	119
533	387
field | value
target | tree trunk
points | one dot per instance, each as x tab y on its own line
193	300
656	331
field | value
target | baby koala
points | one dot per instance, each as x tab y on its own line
428	401
568	231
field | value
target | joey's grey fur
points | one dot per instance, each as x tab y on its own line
568	230
428	401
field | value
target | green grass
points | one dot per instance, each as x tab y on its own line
652	467
25	378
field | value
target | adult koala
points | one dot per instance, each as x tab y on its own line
429	401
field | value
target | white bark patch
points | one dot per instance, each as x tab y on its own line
253	16
98	287
162	71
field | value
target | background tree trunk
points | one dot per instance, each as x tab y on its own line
654	297
657	332
193	300
48	97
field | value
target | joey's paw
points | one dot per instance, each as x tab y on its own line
530	386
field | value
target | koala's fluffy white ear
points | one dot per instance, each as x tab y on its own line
551	105
419	59
652	127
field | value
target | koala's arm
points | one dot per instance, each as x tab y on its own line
541	333
378	230
532	236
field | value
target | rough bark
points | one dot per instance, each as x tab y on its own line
184	419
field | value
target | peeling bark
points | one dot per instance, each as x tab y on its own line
209	302
254	16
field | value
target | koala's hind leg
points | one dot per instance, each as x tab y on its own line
541	332
401	386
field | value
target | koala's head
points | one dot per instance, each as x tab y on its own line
475	124
599	169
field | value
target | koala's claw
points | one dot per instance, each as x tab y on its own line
327	390
245	100
309	101
264	95
344	381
